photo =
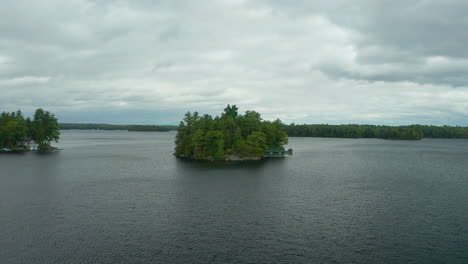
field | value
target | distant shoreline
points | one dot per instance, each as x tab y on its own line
141	128
408	132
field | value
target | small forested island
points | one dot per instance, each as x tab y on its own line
229	137
22	134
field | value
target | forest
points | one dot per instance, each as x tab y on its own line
16	131
230	136
412	132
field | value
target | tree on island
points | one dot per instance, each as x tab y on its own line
45	129
228	137
15	130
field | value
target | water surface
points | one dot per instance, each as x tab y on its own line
121	197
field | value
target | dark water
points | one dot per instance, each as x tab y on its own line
121	197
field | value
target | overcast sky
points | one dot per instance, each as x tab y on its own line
147	62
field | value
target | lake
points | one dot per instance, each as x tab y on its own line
122	197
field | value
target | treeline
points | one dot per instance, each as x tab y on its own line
412	132
65	126
15	130
227	137
145	128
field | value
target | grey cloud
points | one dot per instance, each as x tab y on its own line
398	33
307	61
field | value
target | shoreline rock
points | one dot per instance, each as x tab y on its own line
8	150
227	158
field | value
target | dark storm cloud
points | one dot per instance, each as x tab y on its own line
303	61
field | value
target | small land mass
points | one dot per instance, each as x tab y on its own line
229	136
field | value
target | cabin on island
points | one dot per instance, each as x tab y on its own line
31	144
275	152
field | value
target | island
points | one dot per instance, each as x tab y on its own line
23	134
229	137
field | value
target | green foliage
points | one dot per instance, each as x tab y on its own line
12	129
45	128
412	132
255	145
231	111
146	128
244	136
15	129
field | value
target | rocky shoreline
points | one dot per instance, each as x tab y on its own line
8	150
228	158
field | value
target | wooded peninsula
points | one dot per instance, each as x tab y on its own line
20	134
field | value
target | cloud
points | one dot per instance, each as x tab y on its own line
309	61
25	80
422	41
